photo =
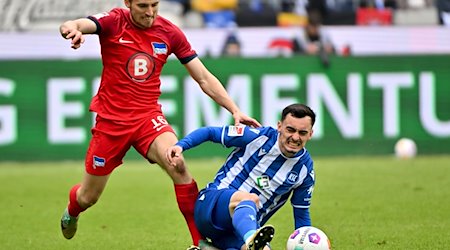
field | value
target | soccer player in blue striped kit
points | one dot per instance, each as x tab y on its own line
265	168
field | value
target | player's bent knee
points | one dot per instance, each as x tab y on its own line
242	196
181	168
178	169
179	174
254	198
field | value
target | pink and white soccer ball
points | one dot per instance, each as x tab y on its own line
308	238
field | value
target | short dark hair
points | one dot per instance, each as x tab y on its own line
299	110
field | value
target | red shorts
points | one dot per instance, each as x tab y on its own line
112	139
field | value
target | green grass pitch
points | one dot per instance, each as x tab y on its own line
360	202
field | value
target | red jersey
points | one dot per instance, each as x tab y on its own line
132	62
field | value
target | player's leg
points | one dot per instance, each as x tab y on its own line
157	153
224	214
81	197
104	154
213	219
243	210
186	189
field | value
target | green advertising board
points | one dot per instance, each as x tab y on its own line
363	104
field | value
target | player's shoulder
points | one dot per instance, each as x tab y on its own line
115	13
263	129
165	23
307	162
308	157
260	131
121	12
243	130
305	159
164	20
268	131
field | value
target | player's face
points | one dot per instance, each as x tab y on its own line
294	133
143	12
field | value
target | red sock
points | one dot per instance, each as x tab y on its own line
186	196
73	207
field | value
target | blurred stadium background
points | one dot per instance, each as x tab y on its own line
386	77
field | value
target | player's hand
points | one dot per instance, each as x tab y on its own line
174	156
241	118
74	34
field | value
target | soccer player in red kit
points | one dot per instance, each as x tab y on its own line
135	45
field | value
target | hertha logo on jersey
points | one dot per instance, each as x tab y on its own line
98	162
159	48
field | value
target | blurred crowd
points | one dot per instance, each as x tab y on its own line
231	15
245	13
310	16
19	14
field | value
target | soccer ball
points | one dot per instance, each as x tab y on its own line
405	148
308	238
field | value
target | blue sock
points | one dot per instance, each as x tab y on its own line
244	219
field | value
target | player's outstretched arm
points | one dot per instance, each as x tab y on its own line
214	89
74	30
193	139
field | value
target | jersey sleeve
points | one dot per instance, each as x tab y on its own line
181	47
239	136
229	136
301	199
105	21
199	136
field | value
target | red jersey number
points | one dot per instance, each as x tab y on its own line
159	123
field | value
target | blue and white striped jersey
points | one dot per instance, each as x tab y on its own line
257	165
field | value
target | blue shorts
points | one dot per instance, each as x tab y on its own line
213	219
